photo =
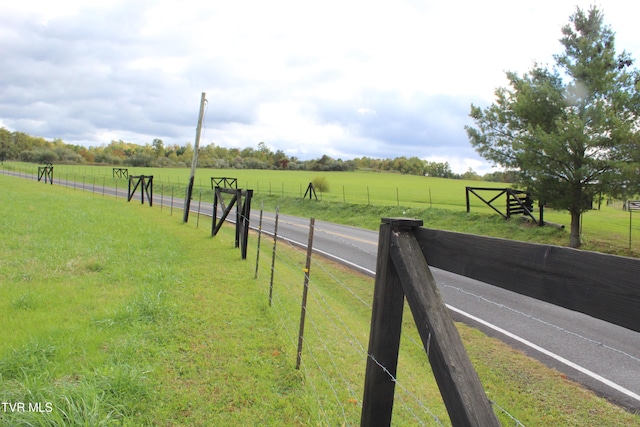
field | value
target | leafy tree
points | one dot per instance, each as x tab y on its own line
567	131
439	170
500	176
471	175
158	147
6	143
140	160
39	155
264	151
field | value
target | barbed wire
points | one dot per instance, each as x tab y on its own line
326	309
338	324
309	351
397	383
338	281
347	333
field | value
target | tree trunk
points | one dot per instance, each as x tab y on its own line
574	237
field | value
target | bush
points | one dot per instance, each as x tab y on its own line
108	159
140	160
68	156
39	155
321	184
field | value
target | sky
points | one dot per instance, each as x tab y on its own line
345	78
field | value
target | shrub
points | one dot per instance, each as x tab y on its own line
321	184
39	155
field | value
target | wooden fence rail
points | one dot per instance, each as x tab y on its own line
599	285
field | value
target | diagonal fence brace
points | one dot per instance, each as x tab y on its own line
402	271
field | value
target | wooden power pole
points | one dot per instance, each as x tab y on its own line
194	162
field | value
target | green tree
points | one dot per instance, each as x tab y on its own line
264	152
471	175
158	147
6	140
440	170
566	131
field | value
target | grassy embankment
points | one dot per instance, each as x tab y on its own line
113	312
117	313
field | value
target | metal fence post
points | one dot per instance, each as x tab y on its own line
273	257
305	291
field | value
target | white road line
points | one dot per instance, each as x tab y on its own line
548	353
521	340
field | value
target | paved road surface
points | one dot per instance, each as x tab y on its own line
602	356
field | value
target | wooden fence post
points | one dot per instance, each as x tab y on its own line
402	270
246	217
384	339
460	386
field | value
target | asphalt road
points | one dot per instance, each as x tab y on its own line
602	356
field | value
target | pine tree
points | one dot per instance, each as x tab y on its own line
569	131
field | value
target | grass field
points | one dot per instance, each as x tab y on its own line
350	187
115	313
361	198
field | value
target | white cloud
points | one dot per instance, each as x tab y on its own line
370	78
460	165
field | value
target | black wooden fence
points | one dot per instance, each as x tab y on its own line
145	182
46	172
242	200
599	285
402	271
120	173
517	202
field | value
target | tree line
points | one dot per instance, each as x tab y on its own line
23	147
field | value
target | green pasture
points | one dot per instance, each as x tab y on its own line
361	198
117	314
345	187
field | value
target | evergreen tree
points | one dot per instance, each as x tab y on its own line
567	131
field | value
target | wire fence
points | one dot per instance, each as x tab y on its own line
335	341
353	193
334	351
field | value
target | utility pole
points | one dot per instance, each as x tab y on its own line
194	162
